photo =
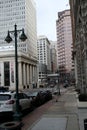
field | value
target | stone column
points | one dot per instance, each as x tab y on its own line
33	72
36	76
31	75
24	76
27	75
20	74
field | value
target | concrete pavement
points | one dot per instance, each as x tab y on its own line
61	115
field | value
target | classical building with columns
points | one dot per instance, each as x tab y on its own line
27	70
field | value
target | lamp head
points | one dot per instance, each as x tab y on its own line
8	39
23	37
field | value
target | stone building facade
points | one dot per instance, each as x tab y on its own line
27	70
79	25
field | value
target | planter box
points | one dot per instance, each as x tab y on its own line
82	104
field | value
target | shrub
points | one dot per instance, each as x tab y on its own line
82	97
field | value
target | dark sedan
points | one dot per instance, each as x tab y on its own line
35	97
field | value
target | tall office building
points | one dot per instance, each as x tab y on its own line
43	46
23	14
64	43
53	56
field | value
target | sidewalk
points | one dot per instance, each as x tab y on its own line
61	115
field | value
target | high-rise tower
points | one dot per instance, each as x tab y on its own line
22	13
64	43
43	46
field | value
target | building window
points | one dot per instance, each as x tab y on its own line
6	74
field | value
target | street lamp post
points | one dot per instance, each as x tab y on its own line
17	114
58	85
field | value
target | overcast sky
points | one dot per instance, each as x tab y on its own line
47	14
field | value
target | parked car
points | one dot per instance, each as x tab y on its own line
8	102
35	97
48	95
43	97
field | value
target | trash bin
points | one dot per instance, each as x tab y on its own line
14	125
85	124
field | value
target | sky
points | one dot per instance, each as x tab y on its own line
47	14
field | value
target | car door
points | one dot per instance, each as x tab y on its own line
24	101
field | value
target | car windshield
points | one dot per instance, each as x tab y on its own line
4	97
34	94
30	94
